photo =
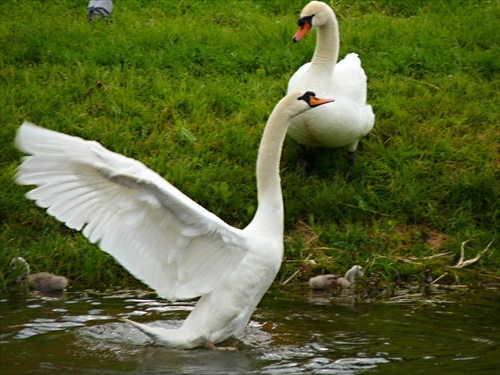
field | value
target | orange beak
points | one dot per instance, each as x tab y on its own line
302	31
315	101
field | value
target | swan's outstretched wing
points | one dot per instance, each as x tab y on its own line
162	237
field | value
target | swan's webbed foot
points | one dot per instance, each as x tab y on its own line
211	346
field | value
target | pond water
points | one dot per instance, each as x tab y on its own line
293	331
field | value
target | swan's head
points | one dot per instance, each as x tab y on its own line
19	263
299	101
296	103
314	15
311	99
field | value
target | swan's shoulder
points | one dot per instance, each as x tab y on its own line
156	232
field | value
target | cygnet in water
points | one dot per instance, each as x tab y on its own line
323	282
42	281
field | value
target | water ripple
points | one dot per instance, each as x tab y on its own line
285	336
38	328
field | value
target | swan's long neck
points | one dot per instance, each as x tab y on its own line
352	273
326	53
349	275
21	263
270	201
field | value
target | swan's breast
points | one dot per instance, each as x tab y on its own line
335	125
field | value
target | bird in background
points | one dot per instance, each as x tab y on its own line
162	237
350	118
324	282
42	281
99	9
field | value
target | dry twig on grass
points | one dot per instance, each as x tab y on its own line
461	263
305	262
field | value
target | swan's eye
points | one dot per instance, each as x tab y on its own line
305	20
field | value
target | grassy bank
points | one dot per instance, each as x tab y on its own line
186	87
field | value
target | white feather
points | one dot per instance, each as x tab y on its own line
129	209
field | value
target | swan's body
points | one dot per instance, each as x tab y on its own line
158	234
350	117
323	282
99	9
42	281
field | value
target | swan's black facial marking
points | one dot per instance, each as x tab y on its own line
306	97
305	20
305	24
310	98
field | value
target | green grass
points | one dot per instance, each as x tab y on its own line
186	88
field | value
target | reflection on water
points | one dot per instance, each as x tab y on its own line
293	331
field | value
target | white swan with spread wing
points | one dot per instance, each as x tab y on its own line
158	234
350	118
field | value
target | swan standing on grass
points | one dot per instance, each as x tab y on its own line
349	118
323	282
158	234
42	281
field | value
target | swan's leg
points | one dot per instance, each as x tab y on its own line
350	162
301	153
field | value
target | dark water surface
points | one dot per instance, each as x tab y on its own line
291	332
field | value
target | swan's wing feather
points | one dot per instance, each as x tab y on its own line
349	80
158	234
